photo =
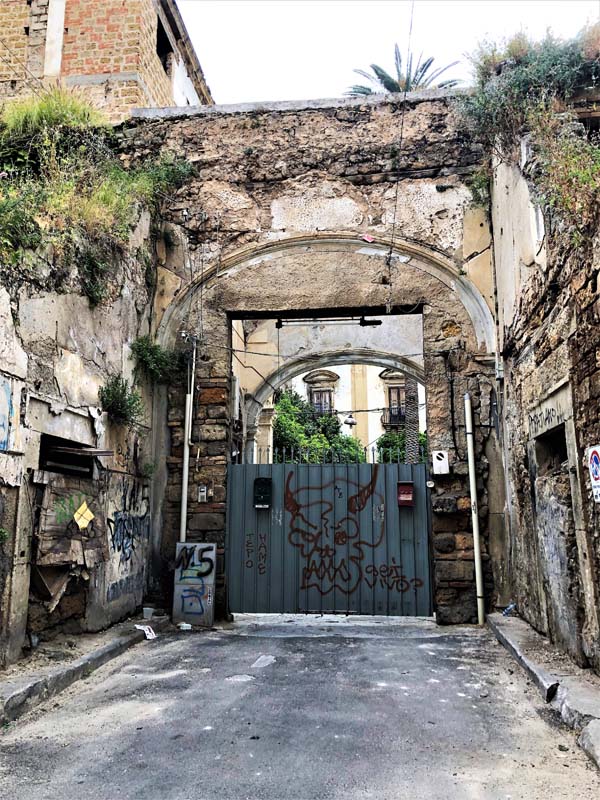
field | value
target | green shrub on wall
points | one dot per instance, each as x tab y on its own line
158	364
524	88
62	184
122	404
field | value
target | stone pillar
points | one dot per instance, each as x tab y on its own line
264	436
411	425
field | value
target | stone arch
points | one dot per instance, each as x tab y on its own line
425	258
332	272
292	368
296	367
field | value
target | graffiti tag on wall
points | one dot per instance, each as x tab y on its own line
129	526
195	572
551	412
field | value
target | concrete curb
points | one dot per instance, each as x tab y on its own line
566	690
19	696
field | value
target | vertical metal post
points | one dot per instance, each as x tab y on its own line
187	435
474	510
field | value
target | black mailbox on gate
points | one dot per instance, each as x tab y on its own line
263	492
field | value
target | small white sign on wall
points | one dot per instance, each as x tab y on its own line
439	460
593	457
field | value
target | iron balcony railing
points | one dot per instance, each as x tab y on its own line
302	455
393	416
322	408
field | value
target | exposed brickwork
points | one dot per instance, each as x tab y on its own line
14	19
109	52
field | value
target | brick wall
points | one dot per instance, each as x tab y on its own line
114	38
14	18
109	52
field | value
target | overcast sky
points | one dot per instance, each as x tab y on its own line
299	49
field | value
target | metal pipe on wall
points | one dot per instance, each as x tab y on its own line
187	435
474	510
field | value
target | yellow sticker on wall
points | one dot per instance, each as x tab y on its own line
83	516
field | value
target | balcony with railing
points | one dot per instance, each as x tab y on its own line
393	417
322	408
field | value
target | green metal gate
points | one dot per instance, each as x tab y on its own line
331	539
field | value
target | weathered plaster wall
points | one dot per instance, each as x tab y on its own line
55	352
548	315
275	220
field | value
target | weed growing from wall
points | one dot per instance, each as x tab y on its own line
158	364
62	184
521	74
524	88
122	404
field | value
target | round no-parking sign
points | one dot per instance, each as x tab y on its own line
594	465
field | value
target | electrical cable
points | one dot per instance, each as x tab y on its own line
319	356
400	143
25	68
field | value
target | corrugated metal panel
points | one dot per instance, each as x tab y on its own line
333	540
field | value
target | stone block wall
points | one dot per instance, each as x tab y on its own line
548	289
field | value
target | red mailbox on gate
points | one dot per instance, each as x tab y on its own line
406	493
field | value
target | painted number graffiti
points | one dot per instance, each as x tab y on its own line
193	564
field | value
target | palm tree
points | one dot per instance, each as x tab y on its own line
418	78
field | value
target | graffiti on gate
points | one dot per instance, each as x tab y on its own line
249	547
262	553
314	530
389	576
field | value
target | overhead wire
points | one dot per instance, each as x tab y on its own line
26	70
399	152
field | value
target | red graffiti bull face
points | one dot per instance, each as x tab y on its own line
332	549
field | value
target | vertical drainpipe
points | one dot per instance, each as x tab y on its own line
187	435
474	510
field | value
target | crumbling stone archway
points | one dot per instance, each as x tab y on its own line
307	274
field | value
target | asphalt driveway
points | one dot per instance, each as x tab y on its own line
300	708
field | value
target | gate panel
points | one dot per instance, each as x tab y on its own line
333	541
